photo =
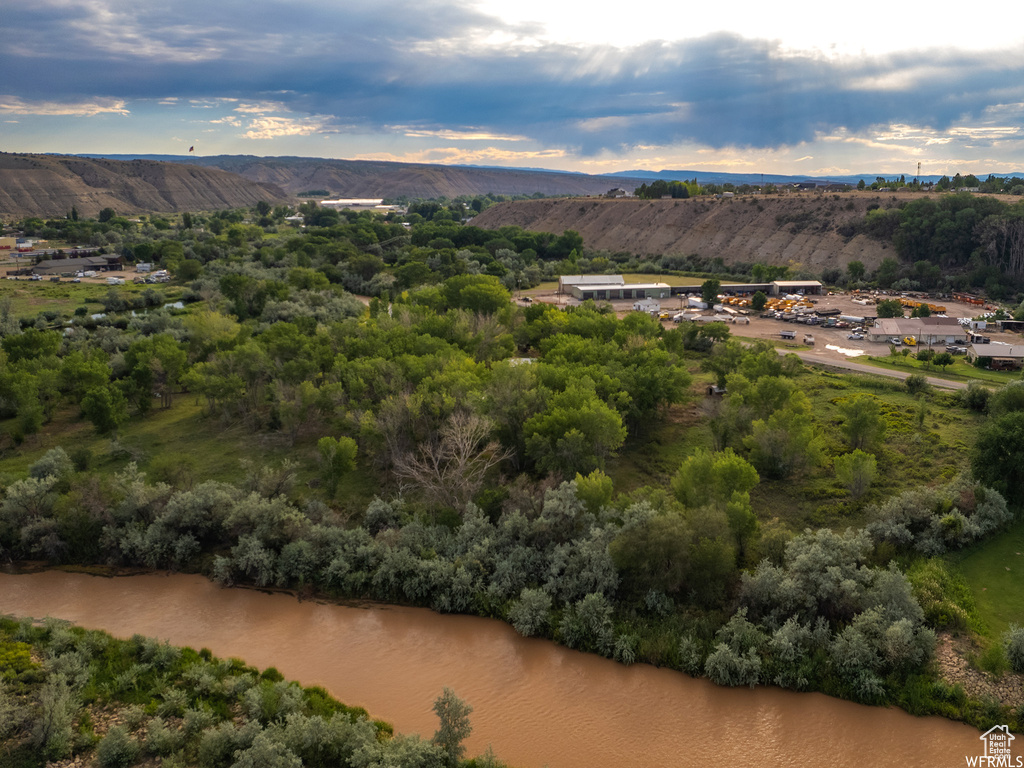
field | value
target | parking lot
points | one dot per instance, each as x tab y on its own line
829	343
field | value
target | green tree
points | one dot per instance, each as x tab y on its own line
1013	647
117	749
887	273
595	490
787	441
713	478
921	310
862	425
856	471
52	731
188	269
531	613
889	308
453	714
758	301
942	359
998	457
477	293
655	554
337	459
709	291
106	408
576	433
856	270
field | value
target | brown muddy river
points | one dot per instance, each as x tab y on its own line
536	703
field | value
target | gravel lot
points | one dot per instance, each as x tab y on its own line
836	338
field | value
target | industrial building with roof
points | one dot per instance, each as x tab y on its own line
566	282
1002	357
607	287
610	291
926	330
105	263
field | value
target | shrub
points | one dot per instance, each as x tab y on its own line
81	458
54	463
856	471
1013	647
117	749
976	396
917	382
727	667
530	614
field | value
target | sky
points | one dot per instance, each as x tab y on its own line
791	87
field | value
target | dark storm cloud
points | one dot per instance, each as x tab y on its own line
423	65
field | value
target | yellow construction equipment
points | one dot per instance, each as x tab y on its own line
910	341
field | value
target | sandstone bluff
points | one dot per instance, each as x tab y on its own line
803	230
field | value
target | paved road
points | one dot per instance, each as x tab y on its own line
814	357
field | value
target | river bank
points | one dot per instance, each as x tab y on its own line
536	703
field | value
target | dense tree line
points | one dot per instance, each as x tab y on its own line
957	241
487	426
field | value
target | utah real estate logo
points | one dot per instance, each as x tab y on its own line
997	754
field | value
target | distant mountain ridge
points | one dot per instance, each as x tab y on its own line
50	185
372	178
723	177
352	177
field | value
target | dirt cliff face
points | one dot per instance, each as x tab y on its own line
798	229
45	185
367	178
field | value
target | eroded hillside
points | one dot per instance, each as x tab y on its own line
802	230
49	185
368	178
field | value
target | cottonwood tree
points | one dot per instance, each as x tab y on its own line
337	458
576	433
856	471
786	442
449	469
453	714
862	425
998	458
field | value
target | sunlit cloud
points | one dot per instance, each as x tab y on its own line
538	83
260	108
276	127
461	156
455	135
16	105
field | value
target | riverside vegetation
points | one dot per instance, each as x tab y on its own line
65	690
445	447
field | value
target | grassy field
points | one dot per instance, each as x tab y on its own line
181	446
926	443
29	298
994	571
961	370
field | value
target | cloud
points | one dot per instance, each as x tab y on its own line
461	156
453	135
100	106
444	70
275	127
